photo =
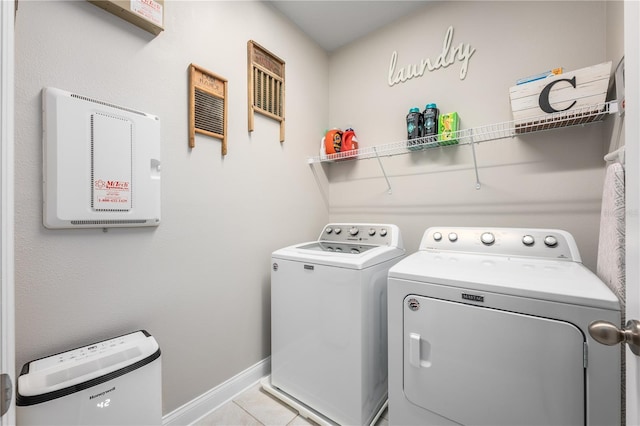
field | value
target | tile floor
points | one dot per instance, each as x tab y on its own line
255	407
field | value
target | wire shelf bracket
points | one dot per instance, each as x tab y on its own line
475	165
389	190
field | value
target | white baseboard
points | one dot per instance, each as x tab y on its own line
214	398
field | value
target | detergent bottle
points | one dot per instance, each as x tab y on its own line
349	140
333	141
414	128
430	123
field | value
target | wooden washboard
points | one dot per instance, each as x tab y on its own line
265	85
207	105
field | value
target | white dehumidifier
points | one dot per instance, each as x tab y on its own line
114	382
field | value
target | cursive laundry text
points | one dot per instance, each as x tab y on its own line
448	56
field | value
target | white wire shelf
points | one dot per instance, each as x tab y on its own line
507	129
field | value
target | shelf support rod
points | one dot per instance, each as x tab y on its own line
389	191
475	162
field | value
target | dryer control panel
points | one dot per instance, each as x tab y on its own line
525	242
363	233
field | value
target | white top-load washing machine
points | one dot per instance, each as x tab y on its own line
329	322
490	327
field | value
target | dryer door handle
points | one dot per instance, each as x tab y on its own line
414	349
419	351
609	334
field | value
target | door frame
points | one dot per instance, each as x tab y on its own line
7	308
632	171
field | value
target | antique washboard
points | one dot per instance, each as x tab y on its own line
207	106
266	85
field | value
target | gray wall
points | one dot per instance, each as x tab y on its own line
200	281
552	179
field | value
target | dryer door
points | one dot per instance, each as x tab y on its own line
480	366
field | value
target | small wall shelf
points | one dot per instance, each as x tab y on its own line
508	129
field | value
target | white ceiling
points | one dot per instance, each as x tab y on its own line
334	23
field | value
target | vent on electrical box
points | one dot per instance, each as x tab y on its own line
109	222
112	156
266	85
207	106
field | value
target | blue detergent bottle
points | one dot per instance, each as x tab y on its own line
414	128
430	124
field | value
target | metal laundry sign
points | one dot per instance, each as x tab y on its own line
461	53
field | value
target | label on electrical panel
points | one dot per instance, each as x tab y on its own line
111	162
112	195
148	9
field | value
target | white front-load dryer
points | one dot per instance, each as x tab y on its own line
329	322
490	327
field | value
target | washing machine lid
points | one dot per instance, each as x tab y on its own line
334	247
348	245
352	256
545	279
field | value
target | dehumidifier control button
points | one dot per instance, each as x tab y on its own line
528	240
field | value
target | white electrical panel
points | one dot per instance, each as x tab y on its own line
101	163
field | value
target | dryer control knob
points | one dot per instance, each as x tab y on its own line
383	232
354	231
528	240
487	238
329	230
372	232
337	230
453	237
550	241
437	236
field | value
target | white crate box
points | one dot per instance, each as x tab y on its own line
559	100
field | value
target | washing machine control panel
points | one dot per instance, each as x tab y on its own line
362	233
529	242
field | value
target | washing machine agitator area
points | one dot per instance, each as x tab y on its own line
490	327
329	322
